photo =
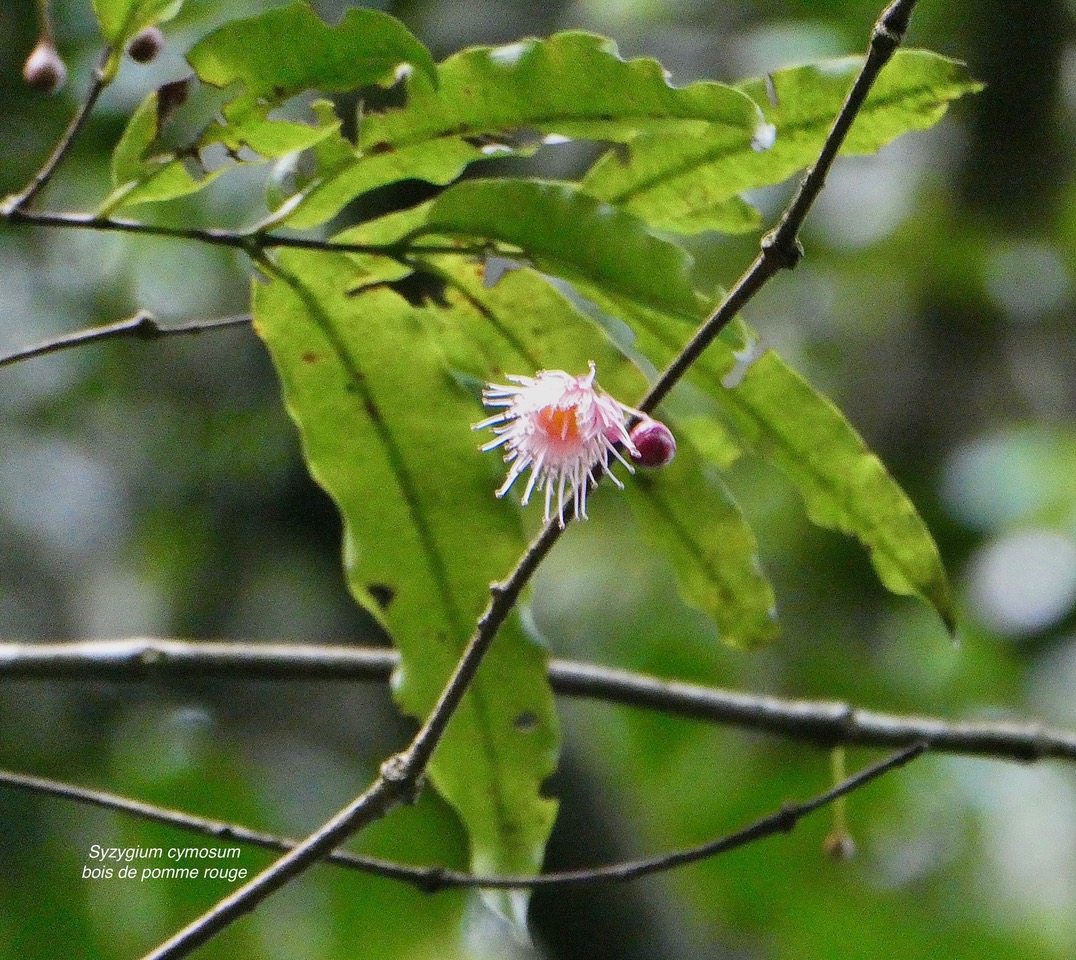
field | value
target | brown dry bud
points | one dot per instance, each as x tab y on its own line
145	45
839	845
44	69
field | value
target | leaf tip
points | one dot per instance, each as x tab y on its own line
948	618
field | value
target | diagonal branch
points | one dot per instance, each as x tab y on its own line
828	723
142	326
431	879
781	248
398	782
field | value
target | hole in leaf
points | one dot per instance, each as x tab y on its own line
382	594
496	267
170	98
526	722
419	289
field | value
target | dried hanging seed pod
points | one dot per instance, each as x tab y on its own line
145	45
44	69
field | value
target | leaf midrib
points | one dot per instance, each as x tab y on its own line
779	439
489	128
792	129
393	454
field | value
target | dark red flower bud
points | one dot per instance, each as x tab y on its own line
145	45
44	70
655	443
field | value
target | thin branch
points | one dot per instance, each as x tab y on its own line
431	879
503	599
142	326
44	20
374	803
250	242
216	829
827	723
398	782
18	203
781	248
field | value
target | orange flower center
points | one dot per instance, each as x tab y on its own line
559	425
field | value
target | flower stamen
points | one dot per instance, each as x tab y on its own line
563	428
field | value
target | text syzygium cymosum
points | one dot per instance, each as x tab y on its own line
162	863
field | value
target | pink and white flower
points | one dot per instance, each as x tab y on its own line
562	428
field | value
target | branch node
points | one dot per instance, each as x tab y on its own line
893	24
885	41
225	831
252	243
782	248
399	776
150	656
146	326
787	817
431	880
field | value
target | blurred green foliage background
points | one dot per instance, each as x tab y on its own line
157	490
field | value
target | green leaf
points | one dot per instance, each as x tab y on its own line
713	440
121	19
569	85
386	431
129	155
566	232
138	178
517	325
365	48
247	124
573	84
331	147
168	180
341	182
687	185
687	514
285	51
844	486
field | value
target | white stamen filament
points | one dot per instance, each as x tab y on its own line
563	428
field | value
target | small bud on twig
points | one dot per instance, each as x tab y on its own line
145	45
655	443
44	69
